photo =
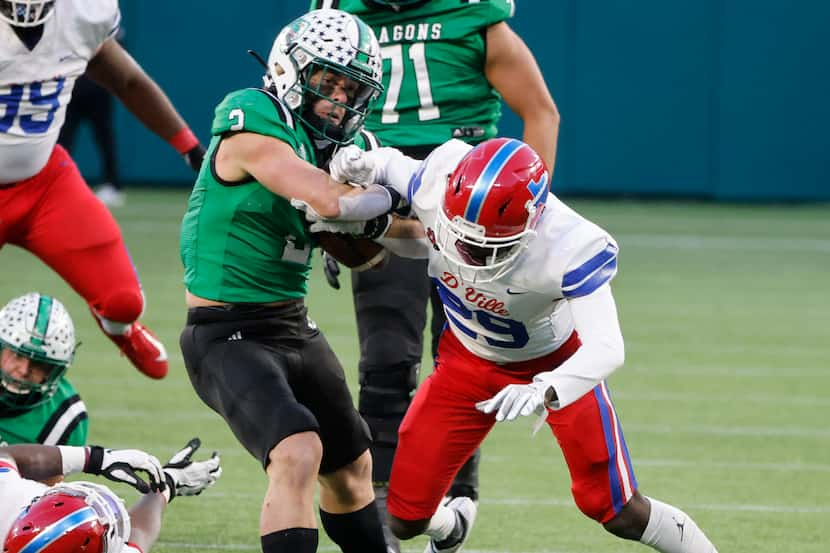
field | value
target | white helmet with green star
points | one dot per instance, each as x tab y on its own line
331	41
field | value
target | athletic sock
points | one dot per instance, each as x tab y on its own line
290	540
670	530
442	524
357	532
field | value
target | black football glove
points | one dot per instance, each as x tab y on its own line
194	156
331	268
123	465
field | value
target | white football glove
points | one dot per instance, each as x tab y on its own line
188	477
310	214
120	465
516	399
350	165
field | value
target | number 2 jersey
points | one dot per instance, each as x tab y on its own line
434	55
524	314
36	85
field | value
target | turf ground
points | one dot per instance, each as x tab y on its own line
724	397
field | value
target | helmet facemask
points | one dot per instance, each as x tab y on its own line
26	13
344	119
476	257
21	394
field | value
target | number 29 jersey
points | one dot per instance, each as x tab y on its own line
36	84
524	314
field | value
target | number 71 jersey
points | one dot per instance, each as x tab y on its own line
524	314
433	69
36	84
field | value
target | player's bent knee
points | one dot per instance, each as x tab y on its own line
123	306
407	529
296	458
596	508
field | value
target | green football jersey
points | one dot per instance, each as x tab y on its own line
62	420
433	69
240	242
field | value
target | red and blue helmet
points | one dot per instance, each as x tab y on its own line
78	517
490	207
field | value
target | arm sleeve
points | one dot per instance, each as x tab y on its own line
413	248
602	351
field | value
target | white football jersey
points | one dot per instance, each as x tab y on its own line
524	313
15	494
36	85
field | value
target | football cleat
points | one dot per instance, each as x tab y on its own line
465	515
143	349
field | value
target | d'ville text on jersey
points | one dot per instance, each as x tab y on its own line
411	31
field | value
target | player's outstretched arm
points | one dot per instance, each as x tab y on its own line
512	70
46	462
115	69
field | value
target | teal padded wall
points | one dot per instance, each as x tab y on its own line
724	99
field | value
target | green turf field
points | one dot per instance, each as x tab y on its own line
724	397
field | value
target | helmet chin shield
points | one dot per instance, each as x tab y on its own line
26	13
322	44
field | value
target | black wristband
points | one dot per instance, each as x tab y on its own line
375	228
95	460
396	198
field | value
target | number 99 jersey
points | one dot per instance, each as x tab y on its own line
36	84
524	313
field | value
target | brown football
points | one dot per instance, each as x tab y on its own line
355	253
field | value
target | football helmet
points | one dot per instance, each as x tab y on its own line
324	42
36	326
77	517
26	13
490	208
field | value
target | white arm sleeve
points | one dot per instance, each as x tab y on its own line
393	169
373	201
602	350
413	248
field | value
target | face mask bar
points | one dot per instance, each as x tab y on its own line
26	13
355	111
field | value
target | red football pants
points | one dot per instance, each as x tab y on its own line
56	216
442	428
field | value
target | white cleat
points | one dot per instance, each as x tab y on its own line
465	511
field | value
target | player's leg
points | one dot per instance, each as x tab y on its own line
390	306
348	510
603	482
73	233
271	423
439	433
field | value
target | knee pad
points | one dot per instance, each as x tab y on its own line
385	394
123	305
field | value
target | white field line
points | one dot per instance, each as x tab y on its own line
733	372
743	243
810	401
568	503
783	466
256	547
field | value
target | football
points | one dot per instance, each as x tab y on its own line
358	254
